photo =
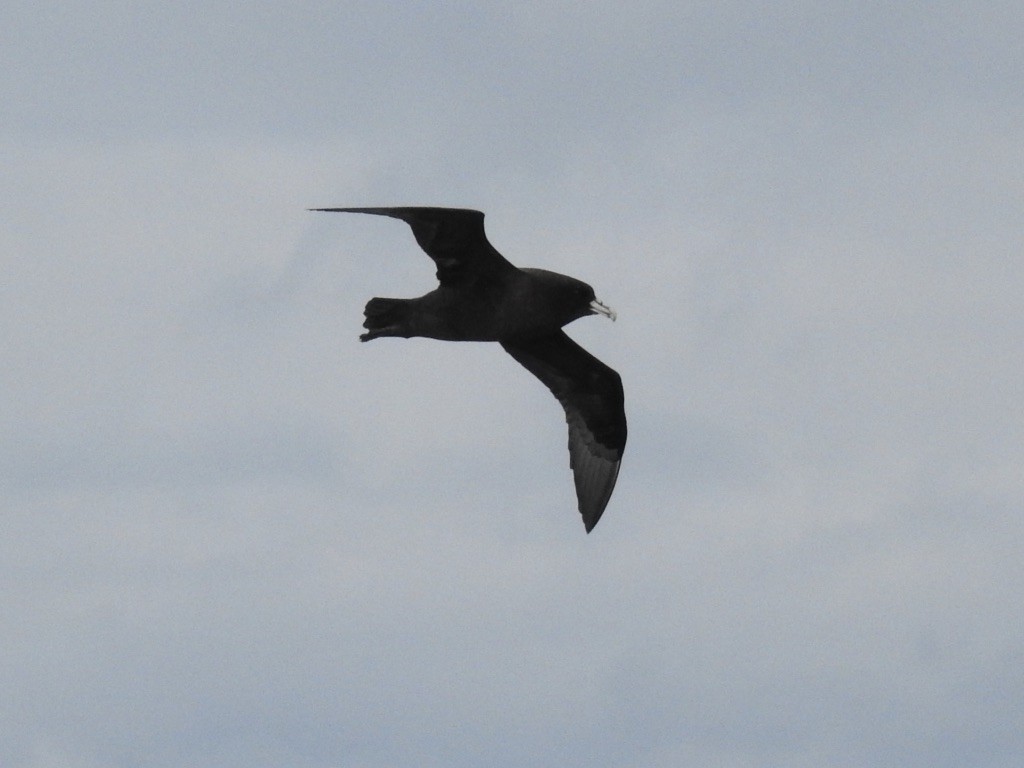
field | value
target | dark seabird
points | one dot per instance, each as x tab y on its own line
483	297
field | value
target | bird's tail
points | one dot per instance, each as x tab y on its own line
386	317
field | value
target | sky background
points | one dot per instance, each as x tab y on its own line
233	536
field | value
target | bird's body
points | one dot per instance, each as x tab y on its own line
482	297
518	304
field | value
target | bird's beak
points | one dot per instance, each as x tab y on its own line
597	308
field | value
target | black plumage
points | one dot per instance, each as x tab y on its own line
482	297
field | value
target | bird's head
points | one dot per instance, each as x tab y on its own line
568	297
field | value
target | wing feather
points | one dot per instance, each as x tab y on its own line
453	237
591	394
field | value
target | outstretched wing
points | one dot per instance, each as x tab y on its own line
591	394
453	237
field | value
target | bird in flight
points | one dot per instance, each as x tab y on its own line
483	297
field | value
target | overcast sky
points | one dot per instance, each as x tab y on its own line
233	536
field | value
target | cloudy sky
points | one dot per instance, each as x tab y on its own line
232	535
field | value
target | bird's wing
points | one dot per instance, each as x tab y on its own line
591	394
453	237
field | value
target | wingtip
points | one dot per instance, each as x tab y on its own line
590	520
